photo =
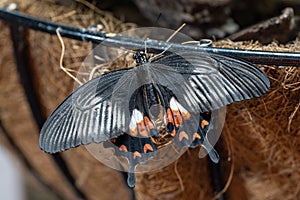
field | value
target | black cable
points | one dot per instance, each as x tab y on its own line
258	57
23	66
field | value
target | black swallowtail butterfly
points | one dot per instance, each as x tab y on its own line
182	84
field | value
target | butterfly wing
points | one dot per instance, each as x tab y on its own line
137	150
104	107
214	81
182	112
217	80
86	116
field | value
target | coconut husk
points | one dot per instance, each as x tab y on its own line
260	141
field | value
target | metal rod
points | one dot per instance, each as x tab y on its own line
257	57
25	73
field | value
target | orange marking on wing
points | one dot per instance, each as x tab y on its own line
142	129
173	133
204	123
123	148
177	118
154	140
169	116
186	115
182	135
147	147
148	123
113	140
136	154
133	132
196	136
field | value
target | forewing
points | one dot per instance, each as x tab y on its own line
218	80
86	116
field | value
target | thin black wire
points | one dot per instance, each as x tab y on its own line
25	161
257	57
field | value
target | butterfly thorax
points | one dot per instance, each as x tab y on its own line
140	58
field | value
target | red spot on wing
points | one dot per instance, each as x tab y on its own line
169	116
186	115
123	148
147	147
204	123
113	140
142	129
177	118
148	123
133	132
170	121
136	154
173	133
183	135
196	136
154	140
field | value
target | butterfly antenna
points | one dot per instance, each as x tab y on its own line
156	21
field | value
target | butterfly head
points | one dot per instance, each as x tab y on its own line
140	57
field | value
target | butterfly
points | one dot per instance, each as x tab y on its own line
137	109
